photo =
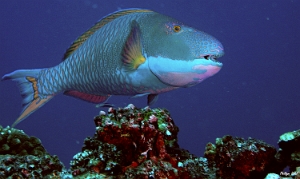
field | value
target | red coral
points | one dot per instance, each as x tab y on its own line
25	172
139	139
160	146
239	158
146	141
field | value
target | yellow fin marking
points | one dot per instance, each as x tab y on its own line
132	52
34	86
141	59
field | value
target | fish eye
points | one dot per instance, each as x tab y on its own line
176	28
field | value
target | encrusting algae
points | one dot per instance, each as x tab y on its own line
136	143
142	143
22	156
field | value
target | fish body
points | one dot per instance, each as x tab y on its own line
132	52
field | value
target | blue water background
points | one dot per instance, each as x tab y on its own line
256	94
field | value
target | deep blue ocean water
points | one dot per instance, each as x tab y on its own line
256	94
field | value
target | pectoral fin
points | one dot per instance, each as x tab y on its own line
132	56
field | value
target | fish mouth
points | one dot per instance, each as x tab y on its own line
212	58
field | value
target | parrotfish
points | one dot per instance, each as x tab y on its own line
131	52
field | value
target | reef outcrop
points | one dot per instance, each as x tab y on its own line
137	143
236	157
22	156
142	143
289	149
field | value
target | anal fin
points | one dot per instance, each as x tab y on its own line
87	97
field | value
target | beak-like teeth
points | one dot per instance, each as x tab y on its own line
210	57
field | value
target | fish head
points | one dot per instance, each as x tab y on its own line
182	56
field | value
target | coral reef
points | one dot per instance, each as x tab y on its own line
137	143
289	150
22	156
142	143
16	142
238	158
272	176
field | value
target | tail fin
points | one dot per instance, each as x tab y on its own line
28	83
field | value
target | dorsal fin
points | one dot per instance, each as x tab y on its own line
81	39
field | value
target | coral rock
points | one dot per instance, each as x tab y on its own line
238	158
289	151
22	156
136	143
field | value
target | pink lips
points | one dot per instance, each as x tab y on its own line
187	78
210	69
